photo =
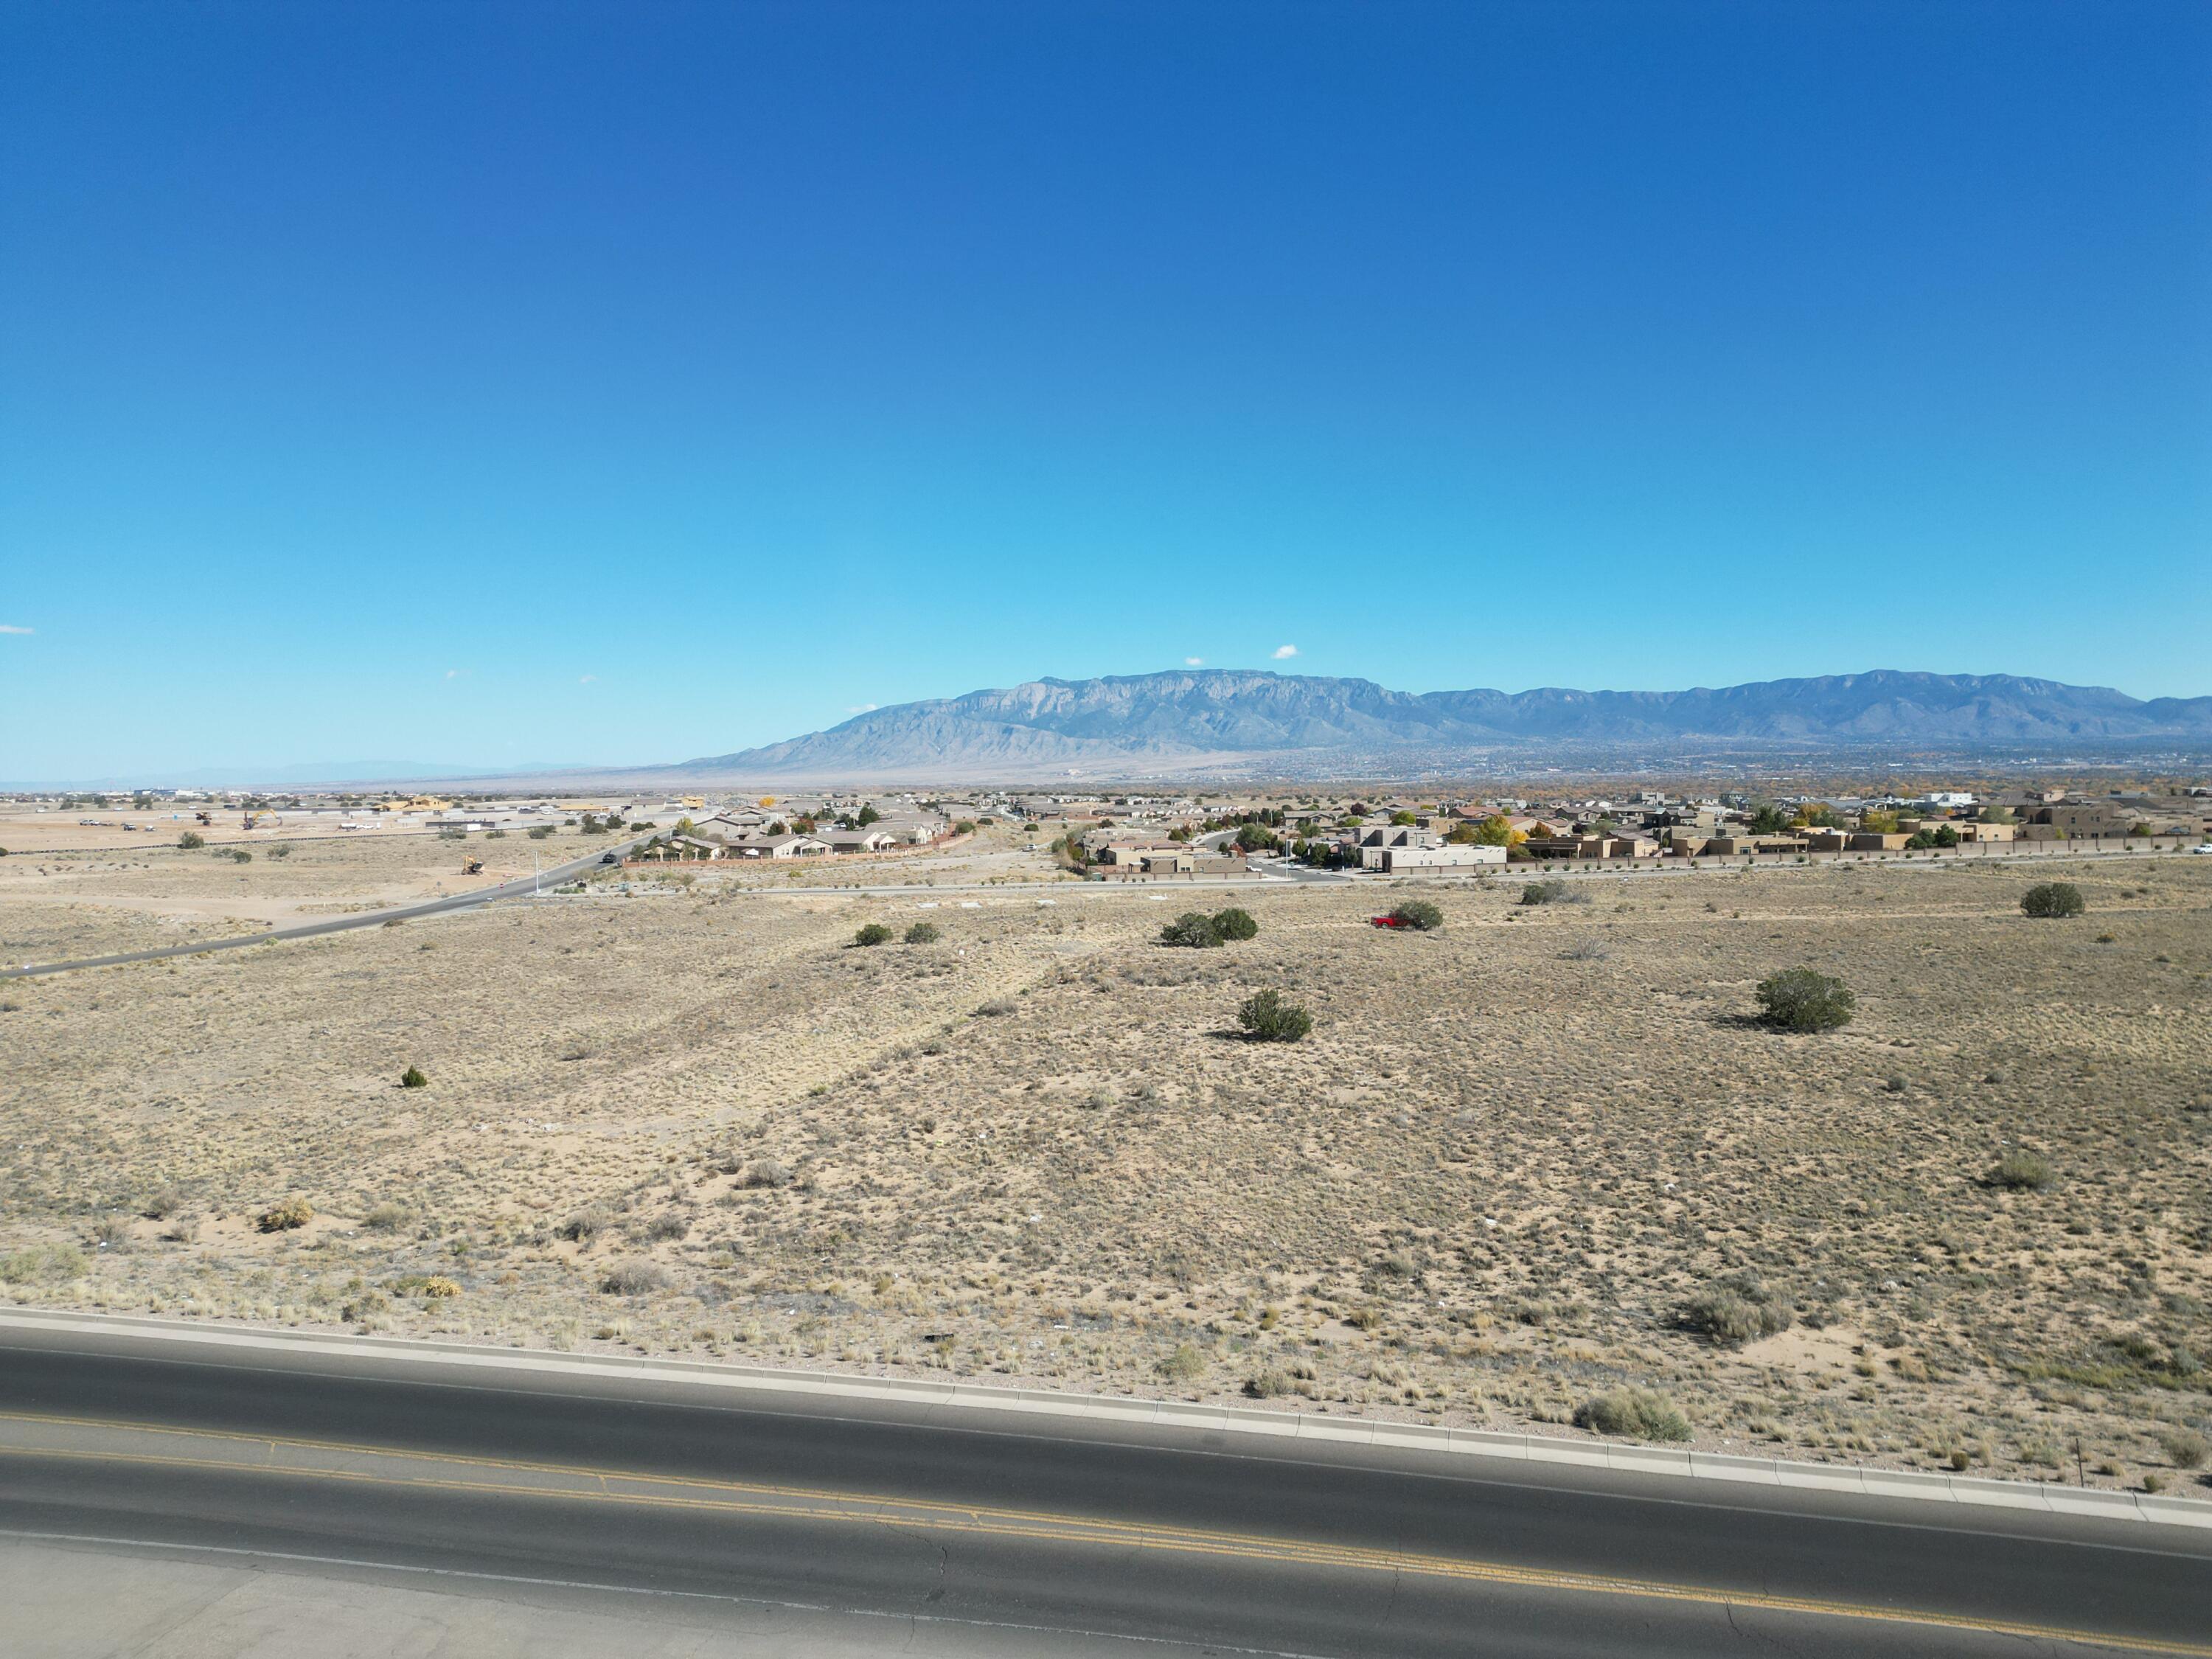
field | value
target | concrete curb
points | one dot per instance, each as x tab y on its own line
2049	1499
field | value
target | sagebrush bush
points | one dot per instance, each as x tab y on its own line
1185	1364
1235	924
2053	898
1804	999
1734	1312
386	1217
635	1278
923	932
1551	891
294	1212
1268	1018
1191	930
1633	1414
2185	1449
584	1226
41	1262
191	841
668	1225
874	933
1419	914
2020	1170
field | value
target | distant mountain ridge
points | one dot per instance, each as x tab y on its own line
1161	723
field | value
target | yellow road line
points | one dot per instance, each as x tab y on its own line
1045	1526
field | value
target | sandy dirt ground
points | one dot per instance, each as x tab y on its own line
59	905
1514	1158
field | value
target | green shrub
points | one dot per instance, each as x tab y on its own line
1419	914
1633	1414
539	831
41	1262
1235	924
1734	1312
874	933
1551	891
1268	1018
1192	930
294	1212
191	841
923	932
1185	1364
2020	1171
2053	898
412	1077
1802	999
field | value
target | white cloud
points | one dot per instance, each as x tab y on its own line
588	679
861	709
1193	662
1283	651
455	673
10	627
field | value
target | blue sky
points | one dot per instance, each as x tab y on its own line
492	383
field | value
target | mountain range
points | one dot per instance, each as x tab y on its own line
1206	720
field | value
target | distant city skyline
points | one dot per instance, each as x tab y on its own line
480	385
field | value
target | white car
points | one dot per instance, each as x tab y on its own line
2206	848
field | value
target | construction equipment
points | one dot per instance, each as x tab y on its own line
472	866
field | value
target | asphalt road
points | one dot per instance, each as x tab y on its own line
1069	1536
515	888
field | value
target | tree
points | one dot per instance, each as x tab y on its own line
1419	914
1498	830
2053	898
865	817
1268	1018
1193	931
191	841
1876	821
1235	924
1253	837
1403	820
1805	1000
1769	820
1945	835
1999	815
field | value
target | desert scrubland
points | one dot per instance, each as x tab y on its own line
1526	1162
